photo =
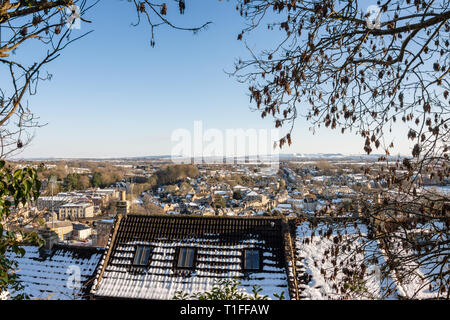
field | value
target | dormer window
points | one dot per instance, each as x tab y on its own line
141	256
186	258
251	260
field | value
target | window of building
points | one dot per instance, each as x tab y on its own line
251	259
141	255
186	258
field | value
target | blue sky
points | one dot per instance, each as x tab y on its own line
113	95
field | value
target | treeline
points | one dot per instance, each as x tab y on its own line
101	175
175	173
76	181
98	175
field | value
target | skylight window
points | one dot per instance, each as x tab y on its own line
141	256
251	260
186	258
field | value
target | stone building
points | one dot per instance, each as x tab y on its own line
76	211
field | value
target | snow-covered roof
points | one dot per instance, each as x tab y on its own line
219	244
54	276
54	198
106	221
220	192
77	205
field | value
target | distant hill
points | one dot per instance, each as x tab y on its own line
283	156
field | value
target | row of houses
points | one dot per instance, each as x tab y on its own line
280	192
252	201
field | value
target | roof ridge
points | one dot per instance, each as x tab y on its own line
77	247
203	217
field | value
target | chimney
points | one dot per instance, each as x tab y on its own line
122	205
51	238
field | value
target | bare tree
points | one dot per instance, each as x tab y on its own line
48	26
27	23
155	13
364	70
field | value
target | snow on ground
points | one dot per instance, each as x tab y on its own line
444	190
414	277
330	269
4	295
